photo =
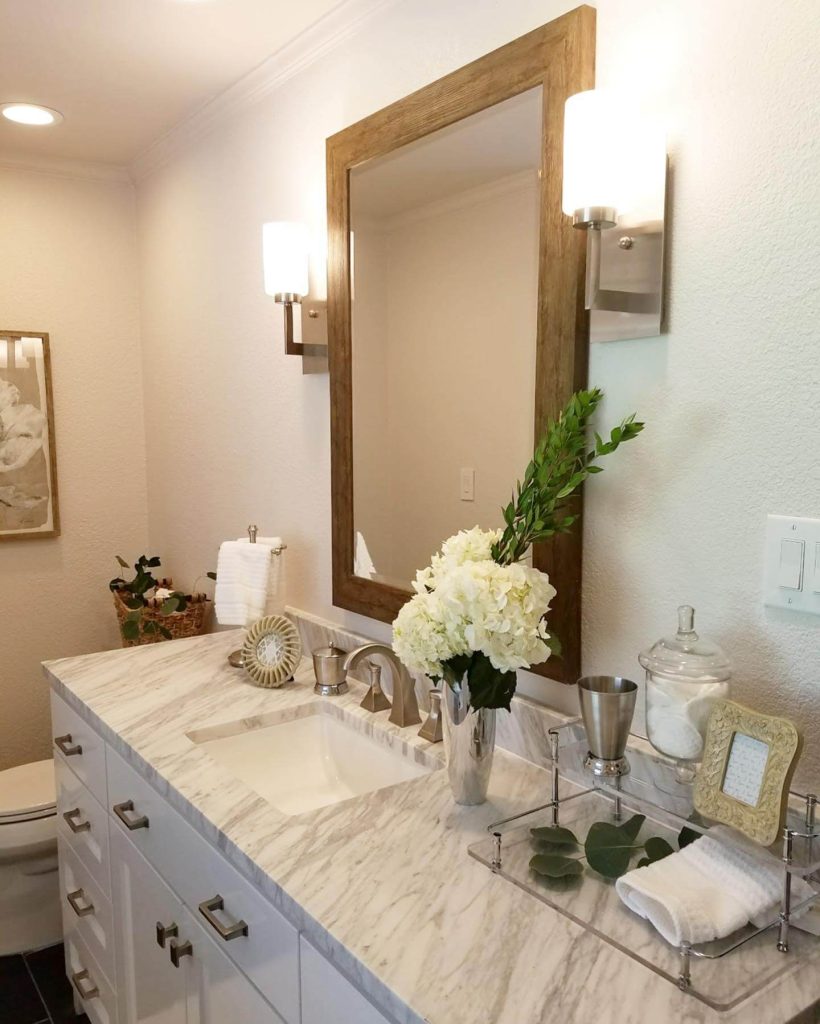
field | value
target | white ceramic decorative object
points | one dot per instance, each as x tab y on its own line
271	651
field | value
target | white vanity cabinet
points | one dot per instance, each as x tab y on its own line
168	969
159	927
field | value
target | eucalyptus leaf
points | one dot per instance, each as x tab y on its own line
687	835
131	629
169	605
122	562
657	848
555	835
609	847
553	865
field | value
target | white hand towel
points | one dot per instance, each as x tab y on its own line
708	889
242	578
362	562
275	602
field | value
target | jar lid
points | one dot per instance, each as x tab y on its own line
687	654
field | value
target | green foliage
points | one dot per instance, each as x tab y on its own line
489	688
136	593
542	506
608	848
555	866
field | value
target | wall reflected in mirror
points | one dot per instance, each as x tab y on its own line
444	247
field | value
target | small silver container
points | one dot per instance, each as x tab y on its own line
328	664
607	707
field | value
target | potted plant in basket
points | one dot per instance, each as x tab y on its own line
480	613
150	610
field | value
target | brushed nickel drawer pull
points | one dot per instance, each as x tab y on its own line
65	746
74	902
226	932
165	932
77	980
179	950
76	826
121	810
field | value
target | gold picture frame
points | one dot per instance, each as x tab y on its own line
748	762
29	506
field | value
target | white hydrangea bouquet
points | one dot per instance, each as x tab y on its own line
479	613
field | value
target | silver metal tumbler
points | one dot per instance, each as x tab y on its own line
607	708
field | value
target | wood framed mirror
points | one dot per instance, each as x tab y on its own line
410	365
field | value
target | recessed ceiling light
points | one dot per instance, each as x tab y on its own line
30	113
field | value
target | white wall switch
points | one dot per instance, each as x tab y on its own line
467	487
793	564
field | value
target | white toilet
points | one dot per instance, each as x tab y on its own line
29	886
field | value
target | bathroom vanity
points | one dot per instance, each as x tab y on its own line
194	889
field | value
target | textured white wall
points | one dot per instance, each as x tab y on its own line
235	433
69	268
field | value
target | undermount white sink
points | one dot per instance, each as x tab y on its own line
312	760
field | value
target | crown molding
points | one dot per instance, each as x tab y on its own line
519	181
303	50
77	169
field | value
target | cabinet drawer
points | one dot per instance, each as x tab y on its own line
94	993
83	825
267	948
86	910
78	745
328	997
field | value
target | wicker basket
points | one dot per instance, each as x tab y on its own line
191	622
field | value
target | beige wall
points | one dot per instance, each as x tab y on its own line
729	392
69	268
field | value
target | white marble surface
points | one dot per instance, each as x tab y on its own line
382	883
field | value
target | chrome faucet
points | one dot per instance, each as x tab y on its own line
405	707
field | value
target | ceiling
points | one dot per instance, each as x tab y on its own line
124	72
493	144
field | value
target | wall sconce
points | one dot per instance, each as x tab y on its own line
615	178
286	251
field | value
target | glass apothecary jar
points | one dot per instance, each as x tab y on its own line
685	675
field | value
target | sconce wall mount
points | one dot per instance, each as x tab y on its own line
286	252
615	178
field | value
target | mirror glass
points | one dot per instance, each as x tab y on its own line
444	252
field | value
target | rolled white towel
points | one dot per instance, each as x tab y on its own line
242	578
709	889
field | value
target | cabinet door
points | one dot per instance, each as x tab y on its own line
328	997
150	989
219	992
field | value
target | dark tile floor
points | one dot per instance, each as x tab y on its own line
35	990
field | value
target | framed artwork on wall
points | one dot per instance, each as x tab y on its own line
28	457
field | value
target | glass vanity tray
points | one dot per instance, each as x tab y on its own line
717	979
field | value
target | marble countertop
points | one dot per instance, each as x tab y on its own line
382	884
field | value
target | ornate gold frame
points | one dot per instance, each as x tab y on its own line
764	822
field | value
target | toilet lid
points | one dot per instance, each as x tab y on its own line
27	791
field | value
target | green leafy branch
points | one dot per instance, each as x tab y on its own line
608	848
542	506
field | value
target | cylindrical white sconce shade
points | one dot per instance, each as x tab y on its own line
596	144
286	253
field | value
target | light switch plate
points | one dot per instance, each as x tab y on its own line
792	578
467	484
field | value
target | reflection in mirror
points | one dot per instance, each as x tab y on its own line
444	243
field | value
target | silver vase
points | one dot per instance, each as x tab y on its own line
469	741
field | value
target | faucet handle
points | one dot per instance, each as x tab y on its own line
432	728
375	699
